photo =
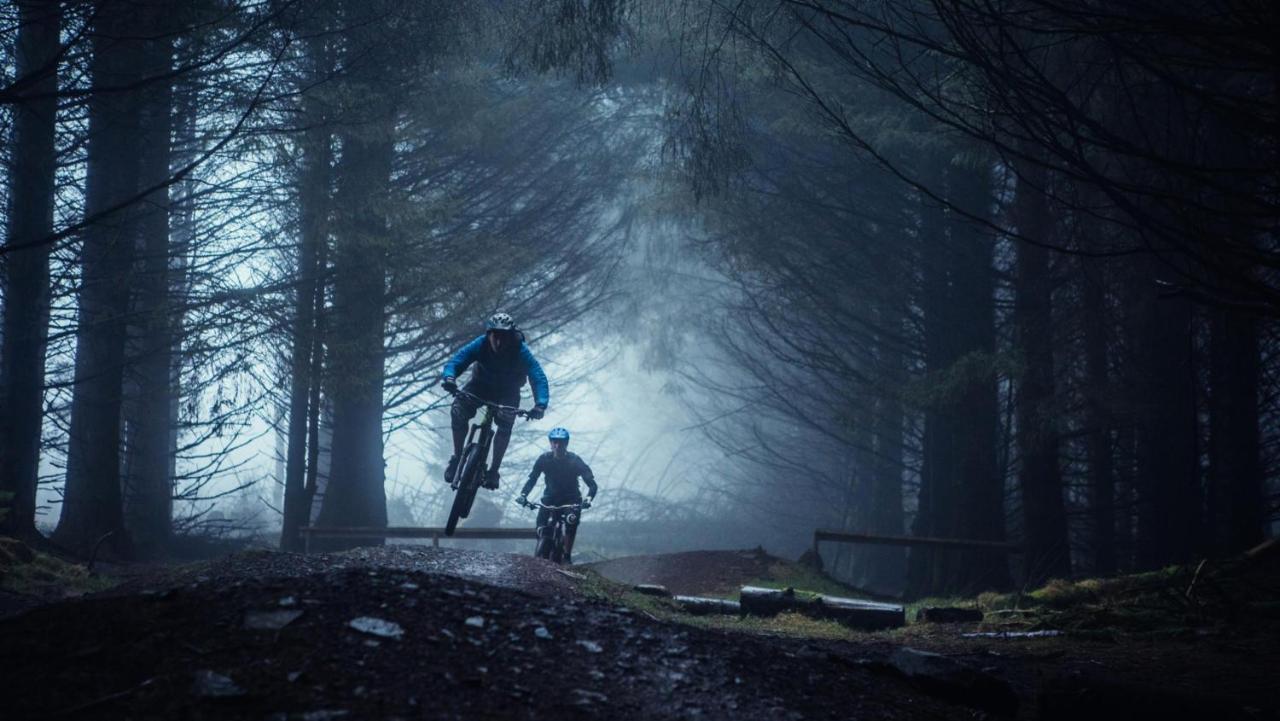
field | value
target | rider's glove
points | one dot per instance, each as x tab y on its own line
449	384
523	500
537	412
586	503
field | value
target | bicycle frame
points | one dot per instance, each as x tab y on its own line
483	424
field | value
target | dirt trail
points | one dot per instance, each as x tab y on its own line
419	632
438	646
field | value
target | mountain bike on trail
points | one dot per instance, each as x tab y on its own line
562	501
555	535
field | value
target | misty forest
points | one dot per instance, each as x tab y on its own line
922	355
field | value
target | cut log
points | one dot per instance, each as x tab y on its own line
699	606
948	614
866	615
651	589
766	601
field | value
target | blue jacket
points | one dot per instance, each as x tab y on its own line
498	376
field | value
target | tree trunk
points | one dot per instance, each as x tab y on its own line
1168	462
961	493
1047	552
936	479
1101	471
355	494
148	497
26	280
980	488
91	505
313	202
1235	468
887	565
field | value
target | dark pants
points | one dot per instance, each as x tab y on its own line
570	528
464	409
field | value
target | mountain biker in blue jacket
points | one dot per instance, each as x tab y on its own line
562	470
500	363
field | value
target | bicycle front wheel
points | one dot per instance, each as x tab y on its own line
472	465
557	545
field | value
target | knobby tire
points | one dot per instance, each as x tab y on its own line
467	488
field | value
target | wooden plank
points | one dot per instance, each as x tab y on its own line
845	537
418	532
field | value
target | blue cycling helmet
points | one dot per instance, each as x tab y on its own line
558	434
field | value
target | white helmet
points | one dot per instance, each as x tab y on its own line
500	321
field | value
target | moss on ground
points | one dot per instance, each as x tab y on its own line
35	573
1172	601
785	624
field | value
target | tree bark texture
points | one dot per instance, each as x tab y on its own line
92	501
26	280
148	488
313	207
354	494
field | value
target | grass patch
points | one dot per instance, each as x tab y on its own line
788	624
34	573
1169	602
1164	602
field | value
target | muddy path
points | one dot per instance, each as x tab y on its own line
415	632
279	636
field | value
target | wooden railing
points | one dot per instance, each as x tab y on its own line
435	534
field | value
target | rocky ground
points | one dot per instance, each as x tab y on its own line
416	632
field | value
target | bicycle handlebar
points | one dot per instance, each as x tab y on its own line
566	507
518	411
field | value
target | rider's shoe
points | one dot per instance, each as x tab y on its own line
491	479
450	469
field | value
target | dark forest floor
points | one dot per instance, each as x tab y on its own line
415	632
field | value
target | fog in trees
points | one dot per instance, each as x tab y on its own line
1001	276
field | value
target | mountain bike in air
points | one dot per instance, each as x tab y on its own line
475	458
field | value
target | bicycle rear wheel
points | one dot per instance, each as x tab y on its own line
467	487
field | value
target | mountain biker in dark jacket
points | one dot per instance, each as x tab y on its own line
562	470
500	363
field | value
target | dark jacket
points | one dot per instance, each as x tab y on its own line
562	478
498	376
